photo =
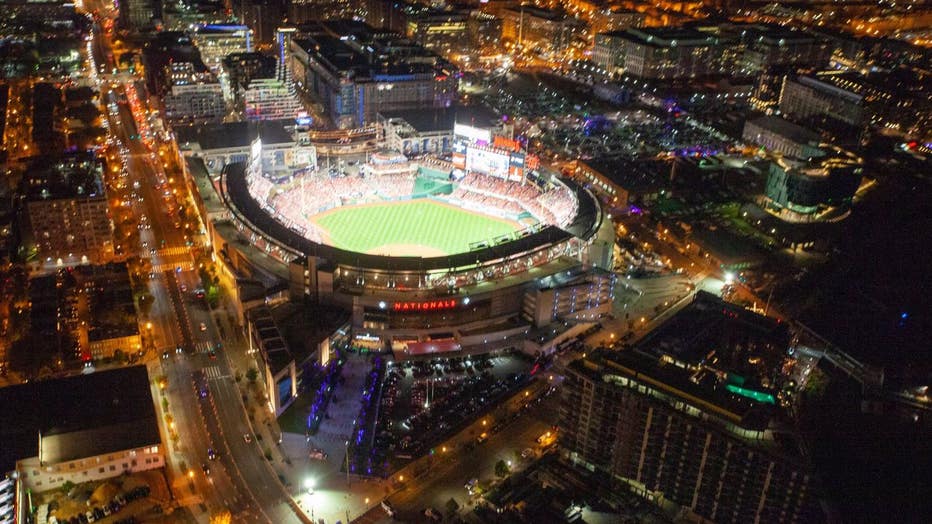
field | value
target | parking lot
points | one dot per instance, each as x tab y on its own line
423	402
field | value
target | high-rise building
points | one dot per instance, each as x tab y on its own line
692	416
139	14
216	41
485	30
805	189
300	11
782	136
547	32
66	207
242	68
769	46
271	99
192	96
809	100
263	17
358	75
443	32
661	53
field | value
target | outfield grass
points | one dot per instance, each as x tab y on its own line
416	223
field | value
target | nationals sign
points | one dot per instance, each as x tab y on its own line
433	305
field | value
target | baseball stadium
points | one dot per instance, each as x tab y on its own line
427	250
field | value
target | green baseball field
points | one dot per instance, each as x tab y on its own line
422	228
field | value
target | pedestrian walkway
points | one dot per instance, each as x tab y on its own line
185	266
174	251
214	372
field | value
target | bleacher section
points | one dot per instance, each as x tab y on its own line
301	197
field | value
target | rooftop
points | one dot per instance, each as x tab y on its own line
77	417
232	134
634	176
785	128
366	55
538	12
272	345
669	36
75	175
442	119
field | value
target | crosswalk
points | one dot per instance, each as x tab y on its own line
214	372
173	251
202	347
171	266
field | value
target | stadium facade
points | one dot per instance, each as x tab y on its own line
555	266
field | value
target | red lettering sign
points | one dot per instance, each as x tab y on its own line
433	305
506	143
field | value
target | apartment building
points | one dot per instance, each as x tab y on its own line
686	417
66	207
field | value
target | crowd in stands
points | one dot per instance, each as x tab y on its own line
486	202
499	187
293	202
556	205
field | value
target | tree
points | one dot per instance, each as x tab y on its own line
223	517
252	374
31	353
502	469
452	506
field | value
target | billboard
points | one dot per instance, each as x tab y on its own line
472	134
506	143
488	162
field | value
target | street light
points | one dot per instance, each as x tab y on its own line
309	484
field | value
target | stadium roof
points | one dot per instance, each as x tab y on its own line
442	119
77	417
238	195
233	134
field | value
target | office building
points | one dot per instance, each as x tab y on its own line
136	15
443	32
769	46
239	69
301	11
782	136
182	15
616	19
661	53
216	41
276	363
356	76
193	96
808	100
66	207
898	100
804	190
692	415
263	17
547	32
485	30
271	99
79	429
